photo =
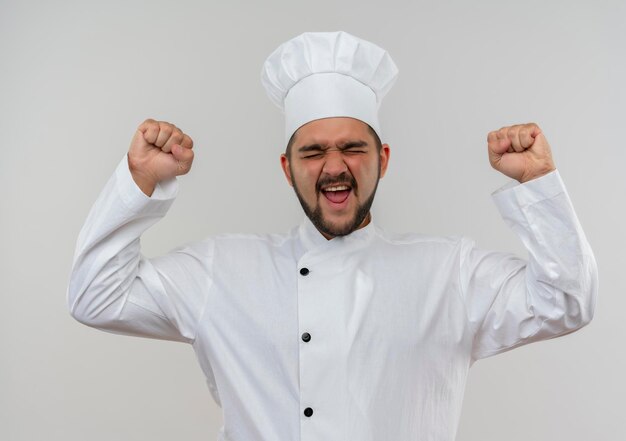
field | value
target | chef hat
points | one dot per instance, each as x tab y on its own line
325	74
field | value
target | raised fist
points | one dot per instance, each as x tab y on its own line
521	152
159	151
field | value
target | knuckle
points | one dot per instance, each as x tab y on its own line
188	141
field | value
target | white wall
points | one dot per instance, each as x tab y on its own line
77	77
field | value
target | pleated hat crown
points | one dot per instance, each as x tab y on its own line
328	74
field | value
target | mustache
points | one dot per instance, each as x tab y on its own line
342	179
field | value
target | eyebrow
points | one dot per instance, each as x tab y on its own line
320	147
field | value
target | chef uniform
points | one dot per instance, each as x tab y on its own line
364	337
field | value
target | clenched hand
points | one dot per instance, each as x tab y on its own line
159	151
521	152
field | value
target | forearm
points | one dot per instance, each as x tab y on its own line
560	257
511	301
107	252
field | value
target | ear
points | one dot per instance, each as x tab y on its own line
385	152
284	163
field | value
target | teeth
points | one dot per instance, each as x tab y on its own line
338	188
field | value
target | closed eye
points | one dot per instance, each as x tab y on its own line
315	151
315	155
348	151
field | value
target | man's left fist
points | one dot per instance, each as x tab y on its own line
521	152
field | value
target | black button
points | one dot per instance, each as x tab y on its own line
306	336
308	412
304	271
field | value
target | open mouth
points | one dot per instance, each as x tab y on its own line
337	194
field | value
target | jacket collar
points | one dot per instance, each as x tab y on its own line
313	241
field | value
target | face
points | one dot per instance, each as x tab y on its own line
334	168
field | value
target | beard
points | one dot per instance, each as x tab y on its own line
323	225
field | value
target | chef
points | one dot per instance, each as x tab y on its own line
337	330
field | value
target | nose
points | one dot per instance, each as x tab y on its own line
334	163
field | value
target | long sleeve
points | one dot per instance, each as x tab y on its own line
113	287
511	301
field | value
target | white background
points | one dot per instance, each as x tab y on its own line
77	77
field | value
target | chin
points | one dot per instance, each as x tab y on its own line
338	230
336	227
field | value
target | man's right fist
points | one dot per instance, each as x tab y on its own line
159	151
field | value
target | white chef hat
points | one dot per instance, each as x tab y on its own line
326	74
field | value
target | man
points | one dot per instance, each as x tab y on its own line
337	330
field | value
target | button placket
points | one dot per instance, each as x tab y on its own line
309	354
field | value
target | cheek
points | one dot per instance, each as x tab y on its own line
306	178
365	174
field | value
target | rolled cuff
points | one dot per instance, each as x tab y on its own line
135	199
515	196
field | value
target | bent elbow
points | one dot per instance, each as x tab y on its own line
73	298
590	296
81	316
581	302
591	291
79	313
93	317
586	317
86	307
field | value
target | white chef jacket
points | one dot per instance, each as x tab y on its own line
366	337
